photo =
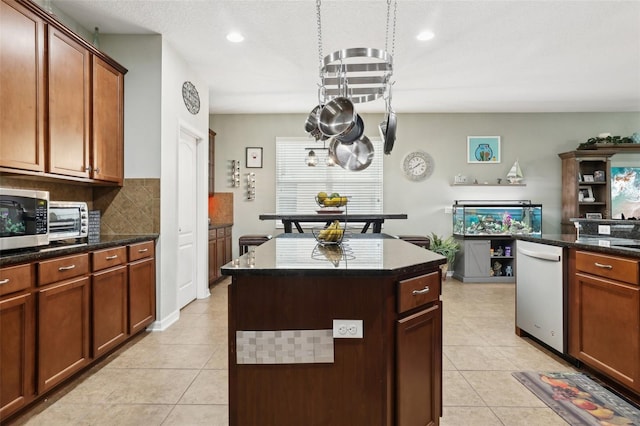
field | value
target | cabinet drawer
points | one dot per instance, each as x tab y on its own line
227	231
220	232
418	291
612	267
108	258
16	278
62	268
141	251
213	234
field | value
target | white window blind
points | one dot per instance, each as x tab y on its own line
297	184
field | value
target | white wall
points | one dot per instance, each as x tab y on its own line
534	139
142	56
154	110
175	71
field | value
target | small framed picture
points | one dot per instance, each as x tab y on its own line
593	215
588	178
483	149
598	176
585	194
254	158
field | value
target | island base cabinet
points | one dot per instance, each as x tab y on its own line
605	327
63	331
419	368
17	360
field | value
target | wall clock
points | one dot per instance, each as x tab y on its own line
191	97
417	165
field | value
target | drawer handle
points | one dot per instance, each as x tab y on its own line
66	268
143	250
115	256
602	265
423	291
6	280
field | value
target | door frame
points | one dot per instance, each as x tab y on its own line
202	192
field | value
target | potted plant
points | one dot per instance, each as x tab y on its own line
448	247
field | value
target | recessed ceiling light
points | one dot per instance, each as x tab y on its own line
425	35
235	37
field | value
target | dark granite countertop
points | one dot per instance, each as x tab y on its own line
370	254
598	243
12	257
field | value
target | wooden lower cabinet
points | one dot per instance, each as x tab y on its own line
17	357
220	251
419	367
109	309
63	330
142	294
604	316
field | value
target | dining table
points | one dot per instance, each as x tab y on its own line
368	220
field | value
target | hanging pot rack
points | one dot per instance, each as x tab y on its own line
360	75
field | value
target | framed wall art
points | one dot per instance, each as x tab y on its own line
254	158
483	149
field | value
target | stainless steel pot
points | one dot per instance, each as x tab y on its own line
355	156
354	133
390	132
337	117
311	124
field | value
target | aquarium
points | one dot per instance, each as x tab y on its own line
511	217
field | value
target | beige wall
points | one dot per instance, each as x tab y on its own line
534	139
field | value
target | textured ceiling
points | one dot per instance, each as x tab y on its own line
487	55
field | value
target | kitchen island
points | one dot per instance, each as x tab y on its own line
335	335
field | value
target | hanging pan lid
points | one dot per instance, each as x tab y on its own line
355	156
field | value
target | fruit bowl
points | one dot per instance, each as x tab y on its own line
333	200
331	234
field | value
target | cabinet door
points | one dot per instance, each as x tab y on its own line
108	116
109	309
142	294
69	106
605	327
63	331
419	368
213	264
17	358
220	255
21	88
477	258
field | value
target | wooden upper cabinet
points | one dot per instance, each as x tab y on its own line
22	88
69	105
108	118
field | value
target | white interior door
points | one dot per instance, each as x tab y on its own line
187	172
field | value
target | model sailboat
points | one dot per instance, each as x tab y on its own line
515	174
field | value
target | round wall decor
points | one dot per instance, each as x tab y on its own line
191	97
417	165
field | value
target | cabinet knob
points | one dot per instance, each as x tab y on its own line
602	265
97	169
87	169
6	280
115	256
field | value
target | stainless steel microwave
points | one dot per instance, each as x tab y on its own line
24	217
68	220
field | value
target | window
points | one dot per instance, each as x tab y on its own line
297	184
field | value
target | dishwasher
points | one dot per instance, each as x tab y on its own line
540	293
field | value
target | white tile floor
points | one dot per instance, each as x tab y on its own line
179	376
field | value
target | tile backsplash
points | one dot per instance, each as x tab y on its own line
133	208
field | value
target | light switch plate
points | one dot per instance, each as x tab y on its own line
604	229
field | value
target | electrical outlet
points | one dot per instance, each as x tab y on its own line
604	229
348	329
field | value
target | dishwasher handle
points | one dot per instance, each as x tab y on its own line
541	255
